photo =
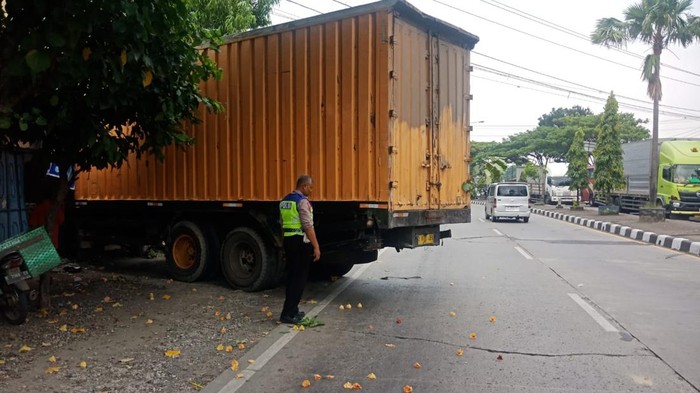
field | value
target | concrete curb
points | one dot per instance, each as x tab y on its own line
674	243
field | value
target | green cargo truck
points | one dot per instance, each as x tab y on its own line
678	176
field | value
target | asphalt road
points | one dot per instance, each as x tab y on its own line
575	310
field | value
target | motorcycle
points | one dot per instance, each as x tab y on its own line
14	289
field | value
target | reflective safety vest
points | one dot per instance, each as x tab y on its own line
291	221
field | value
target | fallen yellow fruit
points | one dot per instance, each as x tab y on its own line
341	307
453	314
172	353
408	389
306	384
52	359
220	347
460	352
472	336
234	365
317	377
24	349
359	305
83	364
229	348
371	376
52	370
241	346
417	365
492	319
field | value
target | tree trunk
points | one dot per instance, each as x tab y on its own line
654	169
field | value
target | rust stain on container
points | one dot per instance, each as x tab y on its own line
359	99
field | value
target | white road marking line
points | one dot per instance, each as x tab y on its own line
482	220
498	232
270	352
607	326
523	252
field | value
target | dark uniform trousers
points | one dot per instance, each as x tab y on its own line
299	256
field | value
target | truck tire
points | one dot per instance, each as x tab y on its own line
247	261
486	214
191	251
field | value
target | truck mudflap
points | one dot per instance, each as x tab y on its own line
414	237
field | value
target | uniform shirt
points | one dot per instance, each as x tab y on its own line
305	213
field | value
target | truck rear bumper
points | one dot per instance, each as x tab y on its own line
399	219
414	237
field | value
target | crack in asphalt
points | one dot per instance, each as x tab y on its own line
609	316
497	351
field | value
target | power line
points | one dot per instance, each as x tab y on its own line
278	13
552	42
578	84
341	3
303	6
566	30
586	97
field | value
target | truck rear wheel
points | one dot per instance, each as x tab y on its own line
191	251
247	261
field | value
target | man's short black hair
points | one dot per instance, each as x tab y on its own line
303	179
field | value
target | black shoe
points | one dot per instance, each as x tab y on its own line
301	315
293	320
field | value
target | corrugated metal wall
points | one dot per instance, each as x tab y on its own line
317	99
453	126
311	100
430	134
13	213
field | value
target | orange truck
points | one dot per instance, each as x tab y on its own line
371	101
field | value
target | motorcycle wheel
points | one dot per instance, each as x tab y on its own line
17	314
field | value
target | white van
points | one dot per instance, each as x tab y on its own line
508	200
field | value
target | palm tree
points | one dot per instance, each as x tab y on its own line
659	23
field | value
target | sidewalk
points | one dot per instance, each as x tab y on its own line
676	234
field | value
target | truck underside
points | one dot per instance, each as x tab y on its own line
243	241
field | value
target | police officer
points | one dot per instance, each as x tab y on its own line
300	246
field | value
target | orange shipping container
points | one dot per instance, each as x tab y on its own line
372	101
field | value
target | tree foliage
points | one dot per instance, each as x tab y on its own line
658	23
608	153
227	17
578	164
556	116
90	82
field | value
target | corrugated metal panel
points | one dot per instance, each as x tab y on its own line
410	130
13	213
430	134
307	100
453	127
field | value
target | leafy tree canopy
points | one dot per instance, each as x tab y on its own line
555	116
89	82
230	16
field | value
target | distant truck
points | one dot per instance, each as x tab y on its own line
678	174
514	173
372	101
557	189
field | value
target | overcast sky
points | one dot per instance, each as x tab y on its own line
505	104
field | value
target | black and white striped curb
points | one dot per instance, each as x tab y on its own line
674	243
